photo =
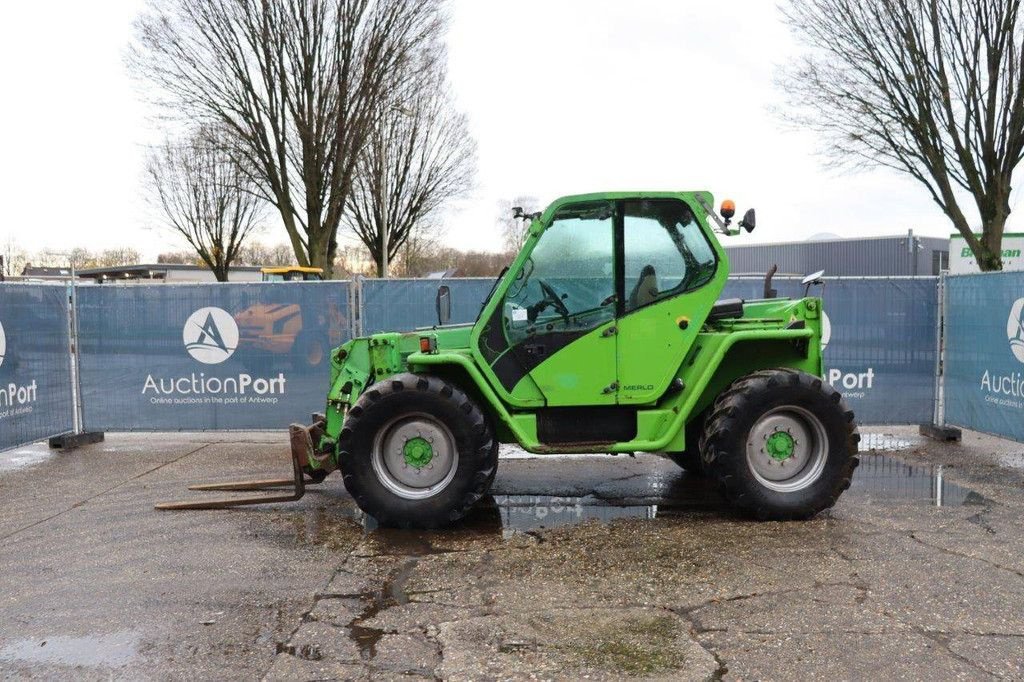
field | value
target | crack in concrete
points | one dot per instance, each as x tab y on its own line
696	629
390	594
286	646
962	555
980	519
943	641
101	493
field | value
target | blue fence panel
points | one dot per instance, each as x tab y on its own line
36	399
254	356
207	356
984	363
401	305
880	342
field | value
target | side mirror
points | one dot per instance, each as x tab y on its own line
749	221
444	305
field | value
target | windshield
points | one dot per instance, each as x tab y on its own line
568	283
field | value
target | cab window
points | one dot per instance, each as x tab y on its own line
666	252
568	282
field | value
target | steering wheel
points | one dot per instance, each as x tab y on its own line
552	297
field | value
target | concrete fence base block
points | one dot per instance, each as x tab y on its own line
946	434
70	441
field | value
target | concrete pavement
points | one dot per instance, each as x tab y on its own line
605	567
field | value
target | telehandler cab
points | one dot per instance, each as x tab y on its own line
605	335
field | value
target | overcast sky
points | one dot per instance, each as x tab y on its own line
563	96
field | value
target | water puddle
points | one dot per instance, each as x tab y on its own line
533	512
109	651
23	458
879	480
884	479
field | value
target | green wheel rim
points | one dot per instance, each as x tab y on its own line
787	449
418	452
414	456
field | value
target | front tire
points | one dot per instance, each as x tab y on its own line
781	443
416	452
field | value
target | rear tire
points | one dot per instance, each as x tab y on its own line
416	452
781	443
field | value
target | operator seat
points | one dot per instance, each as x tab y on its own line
646	289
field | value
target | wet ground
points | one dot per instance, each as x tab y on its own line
600	567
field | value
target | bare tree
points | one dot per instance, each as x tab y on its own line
298	83
420	157
205	197
112	258
14	258
464	263
258	253
82	258
352	260
930	88
177	257
418	255
513	229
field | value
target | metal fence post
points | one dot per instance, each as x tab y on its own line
360	306
76	415
938	416
78	436
938	428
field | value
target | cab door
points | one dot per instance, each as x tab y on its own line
559	314
670	281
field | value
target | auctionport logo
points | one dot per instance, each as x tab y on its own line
1014	330
1007	390
850	384
210	335
15	399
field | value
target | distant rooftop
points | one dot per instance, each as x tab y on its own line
156	268
39	271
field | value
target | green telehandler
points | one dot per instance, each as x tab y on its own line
605	335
